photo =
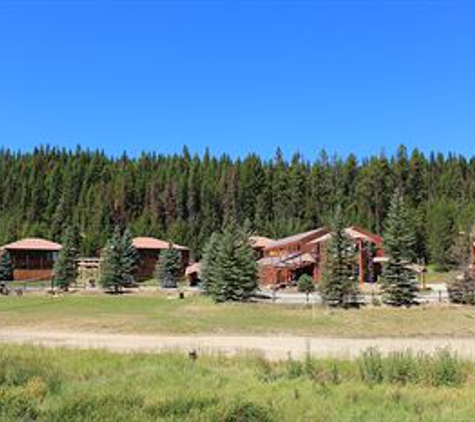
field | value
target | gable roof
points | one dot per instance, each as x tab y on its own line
33	244
152	243
353	232
260	241
300	237
358	233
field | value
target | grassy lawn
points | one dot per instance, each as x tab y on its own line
438	277
79	386
155	313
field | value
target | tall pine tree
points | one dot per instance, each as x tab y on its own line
65	269
399	282
339	285
209	274
6	267
229	266
111	276
130	258
169	268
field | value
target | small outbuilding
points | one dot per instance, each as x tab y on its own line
149	250
33	258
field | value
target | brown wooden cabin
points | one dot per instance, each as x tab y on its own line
33	259
149	250
285	260
259	244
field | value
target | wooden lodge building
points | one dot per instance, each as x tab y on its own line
259	244
32	259
285	260
149	250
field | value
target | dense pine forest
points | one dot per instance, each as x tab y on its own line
187	197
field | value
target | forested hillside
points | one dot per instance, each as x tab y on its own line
185	198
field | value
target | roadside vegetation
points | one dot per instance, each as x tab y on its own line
64	385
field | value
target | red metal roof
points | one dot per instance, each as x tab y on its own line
152	243
33	244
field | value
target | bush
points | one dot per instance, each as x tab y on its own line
444	369
401	368
462	290
371	366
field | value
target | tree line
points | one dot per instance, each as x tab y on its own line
185	197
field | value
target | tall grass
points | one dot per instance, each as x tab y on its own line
39	384
443	368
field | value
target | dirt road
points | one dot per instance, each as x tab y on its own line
273	347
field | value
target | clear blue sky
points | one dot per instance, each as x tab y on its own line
348	76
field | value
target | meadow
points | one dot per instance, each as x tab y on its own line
58	385
155	313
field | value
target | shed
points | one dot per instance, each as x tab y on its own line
33	258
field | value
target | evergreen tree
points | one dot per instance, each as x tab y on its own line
111	276
209	273
169	268
188	198
229	266
399	281
246	261
339	285
306	285
442	231
65	269
130	258
6	267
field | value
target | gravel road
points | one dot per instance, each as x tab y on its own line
273	347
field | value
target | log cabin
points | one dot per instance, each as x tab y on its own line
33	258
149	250
259	244
285	260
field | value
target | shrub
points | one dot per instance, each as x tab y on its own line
462	290
445	369
401	368
294	368
371	366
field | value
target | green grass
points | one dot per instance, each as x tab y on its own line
155	313
438	277
64	385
